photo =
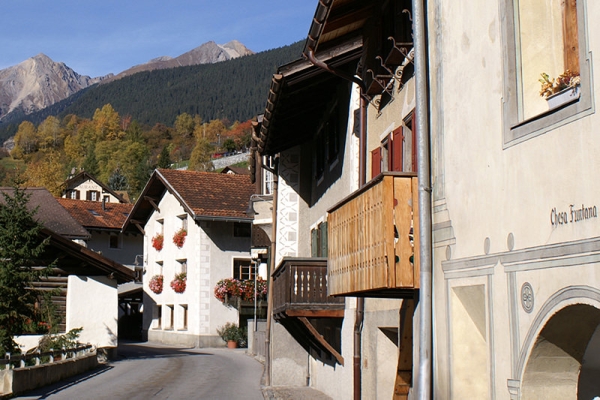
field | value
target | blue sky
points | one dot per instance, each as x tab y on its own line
99	37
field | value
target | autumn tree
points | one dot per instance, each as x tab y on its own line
21	246
26	140
184	125
200	158
49	133
107	123
48	172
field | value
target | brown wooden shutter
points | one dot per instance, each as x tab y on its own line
375	162
396	150
77	194
571	35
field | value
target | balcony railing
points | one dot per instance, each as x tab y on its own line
371	246
300	290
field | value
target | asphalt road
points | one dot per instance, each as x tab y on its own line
155	371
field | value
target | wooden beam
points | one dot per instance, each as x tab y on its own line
138	224
321	340
315	313
405	354
152	201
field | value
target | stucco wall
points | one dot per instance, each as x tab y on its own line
209	250
130	245
495	205
92	304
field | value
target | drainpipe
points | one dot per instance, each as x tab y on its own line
360	302
268	361
424	381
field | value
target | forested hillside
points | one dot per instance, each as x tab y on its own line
233	90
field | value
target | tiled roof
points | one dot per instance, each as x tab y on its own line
209	194
91	215
50	213
236	170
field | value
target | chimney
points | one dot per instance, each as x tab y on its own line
103	203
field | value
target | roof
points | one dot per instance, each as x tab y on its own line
84	176
203	195
235	170
95	215
72	258
50	213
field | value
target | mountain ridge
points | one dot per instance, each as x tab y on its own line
39	81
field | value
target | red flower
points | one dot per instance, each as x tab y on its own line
179	238
178	284
156	284
157	242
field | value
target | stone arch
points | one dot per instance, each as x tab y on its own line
563	360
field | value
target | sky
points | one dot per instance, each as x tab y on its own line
99	37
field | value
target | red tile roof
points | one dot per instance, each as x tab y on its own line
91	215
209	194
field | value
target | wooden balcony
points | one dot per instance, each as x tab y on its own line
372	246
302	306
300	290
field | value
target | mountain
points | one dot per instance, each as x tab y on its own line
234	89
40	82
208	53
37	83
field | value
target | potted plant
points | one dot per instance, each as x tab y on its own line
179	238
156	284
178	283
230	333
559	90
158	241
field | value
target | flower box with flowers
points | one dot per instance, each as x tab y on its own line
560	90
179	238
232	292
178	283
158	241
156	284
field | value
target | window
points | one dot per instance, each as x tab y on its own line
543	36
184	315
397	150
106	199
268	175
158	316
243	269
318	240
92	195
183	266
327	142
184	221
242	229
114	241
74	194
171	316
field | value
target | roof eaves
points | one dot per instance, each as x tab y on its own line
175	193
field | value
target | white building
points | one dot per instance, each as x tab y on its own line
211	208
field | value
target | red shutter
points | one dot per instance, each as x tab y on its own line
375	162
414	141
396	155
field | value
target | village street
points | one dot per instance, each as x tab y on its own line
150	370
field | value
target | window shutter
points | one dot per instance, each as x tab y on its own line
414	141
323	231
77	194
314	243
375	162
396	156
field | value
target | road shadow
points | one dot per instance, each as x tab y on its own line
47	391
133	350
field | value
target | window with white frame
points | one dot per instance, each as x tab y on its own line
269	162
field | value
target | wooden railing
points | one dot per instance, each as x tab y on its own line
372	249
300	289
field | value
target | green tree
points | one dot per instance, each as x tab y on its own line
90	164
21	246
118	181
164	160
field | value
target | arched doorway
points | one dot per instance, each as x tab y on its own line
568	344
